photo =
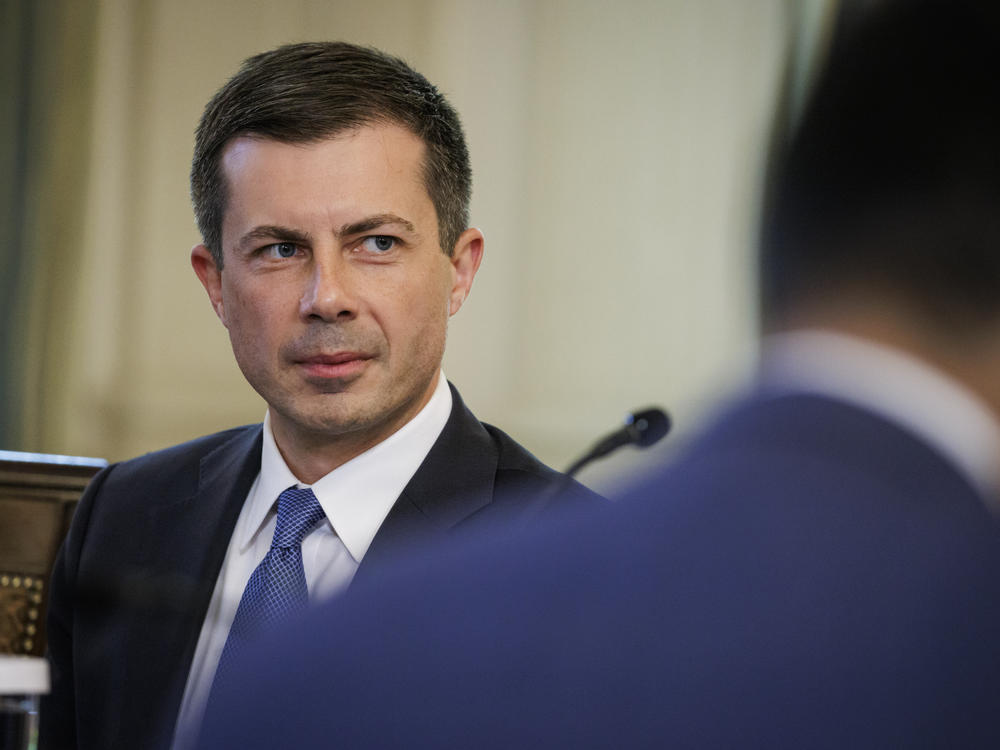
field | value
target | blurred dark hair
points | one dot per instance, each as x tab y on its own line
302	93
893	175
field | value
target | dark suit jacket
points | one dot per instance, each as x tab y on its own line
807	575
136	573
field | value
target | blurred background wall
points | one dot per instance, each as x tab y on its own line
617	147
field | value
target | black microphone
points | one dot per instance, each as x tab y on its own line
642	429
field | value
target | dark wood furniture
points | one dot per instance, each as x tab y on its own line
38	494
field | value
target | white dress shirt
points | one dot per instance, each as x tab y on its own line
356	497
898	387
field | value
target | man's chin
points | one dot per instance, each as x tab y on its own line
360	414
346	419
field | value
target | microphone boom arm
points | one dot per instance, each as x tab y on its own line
642	428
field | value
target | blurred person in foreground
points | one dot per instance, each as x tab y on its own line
331	185
821	568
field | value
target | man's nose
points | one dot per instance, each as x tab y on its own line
328	294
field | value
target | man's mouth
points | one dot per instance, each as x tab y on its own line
334	365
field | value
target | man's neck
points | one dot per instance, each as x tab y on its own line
312	459
311	454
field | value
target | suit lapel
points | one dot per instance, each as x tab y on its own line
454	481
191	538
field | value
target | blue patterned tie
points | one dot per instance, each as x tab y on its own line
277	586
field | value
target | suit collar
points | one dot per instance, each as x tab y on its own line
454	481
185	534
191	537
820	428
896	385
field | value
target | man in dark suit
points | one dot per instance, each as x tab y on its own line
820	567
331	185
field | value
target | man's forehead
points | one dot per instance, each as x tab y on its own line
390	133
273	181
379	150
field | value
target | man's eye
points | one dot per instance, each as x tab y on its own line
379	243
282	249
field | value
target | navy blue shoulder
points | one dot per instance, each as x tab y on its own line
179	466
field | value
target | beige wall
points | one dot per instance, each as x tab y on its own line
616	150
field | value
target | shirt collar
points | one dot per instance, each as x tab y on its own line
275	477
897	386
356	496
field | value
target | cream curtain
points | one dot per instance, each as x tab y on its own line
45	80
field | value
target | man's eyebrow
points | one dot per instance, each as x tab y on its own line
374	222
274	233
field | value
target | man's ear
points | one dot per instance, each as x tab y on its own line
465	260
210	276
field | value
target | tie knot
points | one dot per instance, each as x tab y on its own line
298	512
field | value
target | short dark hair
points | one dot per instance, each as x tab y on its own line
893	175
301	93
